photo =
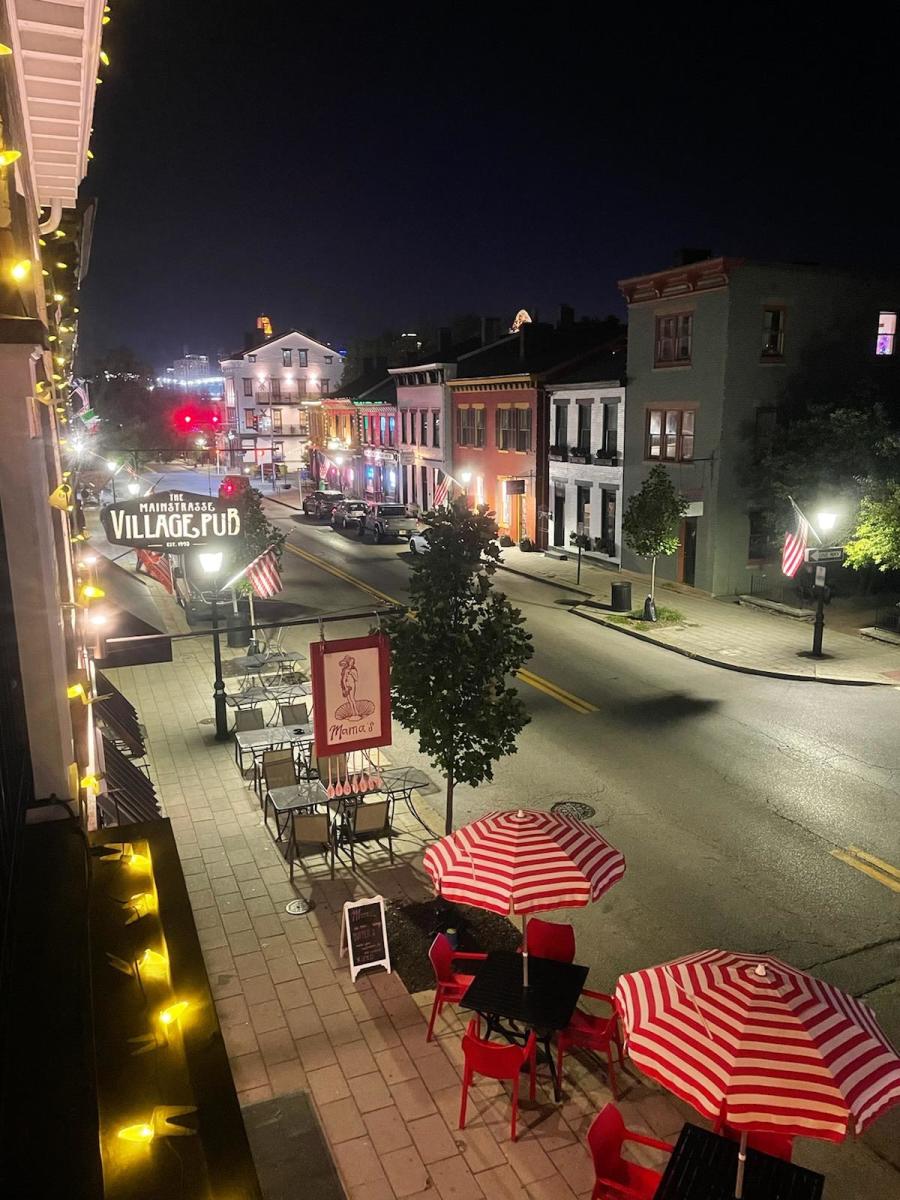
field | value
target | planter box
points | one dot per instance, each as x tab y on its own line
607	461
579	458
558	454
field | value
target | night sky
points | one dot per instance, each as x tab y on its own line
350	171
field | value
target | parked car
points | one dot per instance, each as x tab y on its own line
419	544
385	521
321	504
349	513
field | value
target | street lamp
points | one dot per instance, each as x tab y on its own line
211	565
134	488
826	522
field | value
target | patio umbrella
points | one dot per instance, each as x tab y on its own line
748	1040
519	863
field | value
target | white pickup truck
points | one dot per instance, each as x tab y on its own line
385	521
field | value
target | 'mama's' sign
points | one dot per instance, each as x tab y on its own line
170	521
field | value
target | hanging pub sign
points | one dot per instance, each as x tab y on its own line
351	688
515	487
170	521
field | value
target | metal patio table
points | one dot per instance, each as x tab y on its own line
280	693
398	783
270	738
256	664
703	1166
511	1009
306	793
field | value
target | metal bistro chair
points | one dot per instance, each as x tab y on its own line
294	714
268	758
246	719
312	829
367	823
279	781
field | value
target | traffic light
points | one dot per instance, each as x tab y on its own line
215	419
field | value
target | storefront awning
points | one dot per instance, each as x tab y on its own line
134	633
119	716
129	795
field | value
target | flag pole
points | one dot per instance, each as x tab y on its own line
252	619
800	513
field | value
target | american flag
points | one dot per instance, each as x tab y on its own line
264	576
795	548
441	491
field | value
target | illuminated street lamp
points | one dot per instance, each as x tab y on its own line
134	488
826	522
211	565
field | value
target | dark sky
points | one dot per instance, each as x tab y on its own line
351	170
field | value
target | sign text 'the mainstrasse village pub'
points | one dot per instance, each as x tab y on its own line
170	521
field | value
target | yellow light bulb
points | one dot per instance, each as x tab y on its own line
60	359
4	49
89	592
99	80
59	233
75	691
105	21
58	378
174	1012
90	781
45	272
152	963
20	269
90	155
62	266
137	1133
104	58
8	157
41	242
52	338
76	310
58	297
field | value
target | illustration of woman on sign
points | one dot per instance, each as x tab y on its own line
352	707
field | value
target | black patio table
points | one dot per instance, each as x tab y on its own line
498	994
703	1166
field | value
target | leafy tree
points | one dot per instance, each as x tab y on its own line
876	538
257	534
132	415
452	651
650	521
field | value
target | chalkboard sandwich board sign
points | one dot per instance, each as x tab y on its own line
364	935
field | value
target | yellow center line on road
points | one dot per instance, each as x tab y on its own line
869	865
536	681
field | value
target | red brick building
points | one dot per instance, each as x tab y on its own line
500	423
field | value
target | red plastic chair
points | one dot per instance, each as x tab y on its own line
615	1177
550	939
451	985
497	1062
779	1145
589	1032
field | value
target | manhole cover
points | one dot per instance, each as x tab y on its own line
207	721
573	808
299	908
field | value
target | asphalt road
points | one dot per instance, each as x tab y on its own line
727	793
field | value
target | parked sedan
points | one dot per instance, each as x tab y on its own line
348	514
419	544
320	504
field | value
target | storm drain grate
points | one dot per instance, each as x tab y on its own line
573	808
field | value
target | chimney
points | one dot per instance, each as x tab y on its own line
445	339
691	254
490	330
566	316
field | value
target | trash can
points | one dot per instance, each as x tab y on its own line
238	626
621	597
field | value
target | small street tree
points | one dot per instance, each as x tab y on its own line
650	521
876	538
453	649
257	533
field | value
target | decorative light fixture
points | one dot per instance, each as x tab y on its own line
75	690
174	1012
58	297
137	1133
152	963
826	521
104	58
20	269
8	157
89	781
91	592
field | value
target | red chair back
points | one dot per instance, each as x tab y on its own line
605	1138
550	939
491	1058
441	955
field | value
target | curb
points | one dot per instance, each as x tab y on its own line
566	587
726	666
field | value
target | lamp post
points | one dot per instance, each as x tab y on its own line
113	468
211	563
826	522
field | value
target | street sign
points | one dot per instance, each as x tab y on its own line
825	554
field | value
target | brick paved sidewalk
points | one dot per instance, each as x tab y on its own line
721	631
387	1101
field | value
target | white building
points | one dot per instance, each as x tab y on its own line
587	435
269	390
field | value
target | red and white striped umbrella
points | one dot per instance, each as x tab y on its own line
519	863
759	1044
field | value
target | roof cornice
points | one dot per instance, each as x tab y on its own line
709	275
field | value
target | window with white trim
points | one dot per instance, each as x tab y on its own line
887	327
670	434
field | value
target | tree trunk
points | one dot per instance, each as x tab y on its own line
653	577
448	823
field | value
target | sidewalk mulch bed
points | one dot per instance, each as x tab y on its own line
412	928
